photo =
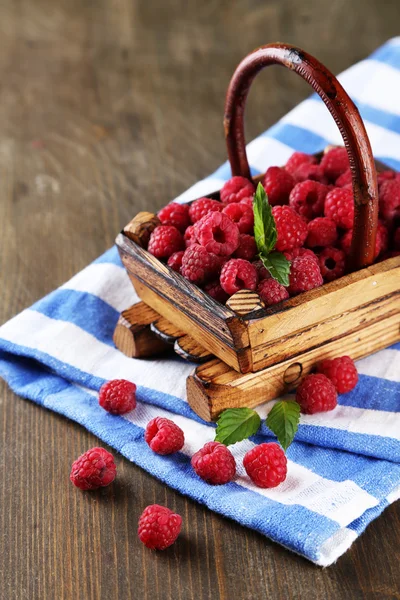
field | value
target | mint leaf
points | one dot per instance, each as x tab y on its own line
277	265
283	421
236	424
264	224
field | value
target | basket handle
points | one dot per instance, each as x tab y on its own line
347	117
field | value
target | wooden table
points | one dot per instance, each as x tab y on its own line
109	107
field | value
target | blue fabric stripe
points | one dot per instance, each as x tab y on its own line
374	393
389	54
110	256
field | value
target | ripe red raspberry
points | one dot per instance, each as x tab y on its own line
344	179
332	263
164	436
389	200
242	215
118	396
321	232
307	199
304	275
215	290
271	292
266	465
214	463
159	527
339	206
313	172
238	274
175	214
385	175
247	202
201	207
341	371
345	241
316	393
247	248
175	260
262	272
381	242
278	184
396	239
190	236
198	265
218	234
290	227
296	252
94	469
297	159
236	189
164	241
335	162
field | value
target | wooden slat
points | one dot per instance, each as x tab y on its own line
190	350
132	334
245	302
166	330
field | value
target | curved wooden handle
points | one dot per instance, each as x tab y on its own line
347	117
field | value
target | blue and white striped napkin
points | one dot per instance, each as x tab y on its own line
343	468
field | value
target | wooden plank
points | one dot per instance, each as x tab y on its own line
190	350
165	330
245	302
132	334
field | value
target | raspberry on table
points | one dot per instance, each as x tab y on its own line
297	159
164	241
389	200
332	263
306	172
266	465
262	272
214	463
339	206
335	162
304	275
271	291
94	469
189	236
218	234
198	265
238	274
214	289
159	527
296	252
247	248
175	260
175	214
307	198
118	396
291	228
341	371
242	215
201	207
316	393
164	436
321	232
236	189
278	184
344	179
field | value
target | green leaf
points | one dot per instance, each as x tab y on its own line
236	424
277	265
283	421
264	224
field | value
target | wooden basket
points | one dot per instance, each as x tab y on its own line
251	354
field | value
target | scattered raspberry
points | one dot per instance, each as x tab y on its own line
313	172
214	289
164	436
262	272
214	463
321	232
238	274
297	159
236	189
248	202
290	227
118	396
345	178
247	248
296	252
94	469
316	393
159	527
271	292
332	263
389	200
175	214
278	184
164	241
242	215
304	275
339	206
201	207
335	162
218	234
198	265
266	465
307	199
341	371
190	236
175	260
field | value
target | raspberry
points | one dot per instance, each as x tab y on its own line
266	465
332	263
201	207
297	159
296	252
236	189
94	469
247	202
341	371
247	248
175	260
214	463
339	206
316	393
164	241
381	243
304	275
215	290
385	175
313	172
278	184
290	227
396	239
218	234
190	236
307	198
164	436
321	232
262	272
389	200
198	265
238	274
118	396
345	241
271	292
335	162
175	214
344	179
159	527
242	215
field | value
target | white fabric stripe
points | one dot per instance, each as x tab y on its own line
383	364
201	188
264	152
393	496
335	546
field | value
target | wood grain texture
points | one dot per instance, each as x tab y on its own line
102	115
133	335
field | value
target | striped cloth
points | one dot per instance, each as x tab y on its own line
343	468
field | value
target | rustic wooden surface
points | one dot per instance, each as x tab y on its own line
103	114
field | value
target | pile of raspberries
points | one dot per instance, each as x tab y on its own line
211	242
